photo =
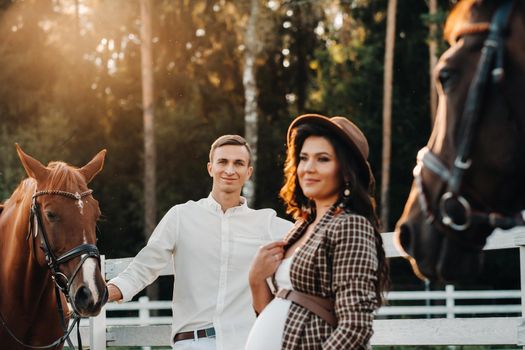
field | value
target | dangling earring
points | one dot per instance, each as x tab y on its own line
346	195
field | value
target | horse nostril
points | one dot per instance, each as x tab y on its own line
83	298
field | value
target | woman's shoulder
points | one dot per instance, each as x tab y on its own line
344	217
345	222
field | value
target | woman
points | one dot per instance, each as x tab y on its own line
332	259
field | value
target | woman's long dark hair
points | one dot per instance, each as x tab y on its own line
360	201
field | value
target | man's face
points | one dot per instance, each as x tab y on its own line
229	168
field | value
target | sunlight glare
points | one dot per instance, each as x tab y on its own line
273	5
319	30
290	98
338	21
200	32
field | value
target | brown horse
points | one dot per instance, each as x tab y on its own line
48	254
470	178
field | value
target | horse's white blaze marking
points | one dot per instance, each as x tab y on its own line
89	270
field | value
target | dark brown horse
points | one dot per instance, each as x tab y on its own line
48	254
470	178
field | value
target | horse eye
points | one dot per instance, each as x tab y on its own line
51	216
445	77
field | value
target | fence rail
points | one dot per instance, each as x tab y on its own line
447	298
105	331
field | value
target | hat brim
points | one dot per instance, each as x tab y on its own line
318	119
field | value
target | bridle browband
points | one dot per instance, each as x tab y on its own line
490	64
61	281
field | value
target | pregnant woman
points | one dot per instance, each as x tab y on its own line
319	288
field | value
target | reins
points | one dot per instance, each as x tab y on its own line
54	344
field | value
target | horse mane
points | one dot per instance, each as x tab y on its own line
22	194
65	177
458	19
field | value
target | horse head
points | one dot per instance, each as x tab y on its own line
63	224
469	179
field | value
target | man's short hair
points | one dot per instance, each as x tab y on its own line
235	140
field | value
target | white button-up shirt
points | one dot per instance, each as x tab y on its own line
211	251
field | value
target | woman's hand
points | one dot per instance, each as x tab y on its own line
266	262
263	266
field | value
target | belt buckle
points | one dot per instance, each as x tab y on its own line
210	332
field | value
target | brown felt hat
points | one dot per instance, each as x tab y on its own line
347	131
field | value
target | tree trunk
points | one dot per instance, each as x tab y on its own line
432	48
149	130
251	44
387	110
148	117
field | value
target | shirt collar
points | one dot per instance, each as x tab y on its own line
214	205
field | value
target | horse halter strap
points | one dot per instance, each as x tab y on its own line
88	250
491	57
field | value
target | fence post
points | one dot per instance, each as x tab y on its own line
522	285
97	325
143	310
449	291
144	314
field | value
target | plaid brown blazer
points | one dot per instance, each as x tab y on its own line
339	261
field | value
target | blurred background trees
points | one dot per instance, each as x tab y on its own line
70	85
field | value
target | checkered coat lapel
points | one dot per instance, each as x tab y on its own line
338	261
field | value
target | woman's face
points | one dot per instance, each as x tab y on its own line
319	171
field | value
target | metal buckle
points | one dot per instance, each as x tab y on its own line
464	165
447	220
210	332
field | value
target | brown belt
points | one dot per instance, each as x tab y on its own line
322	307
201	333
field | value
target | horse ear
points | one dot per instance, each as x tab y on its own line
33	167
94	166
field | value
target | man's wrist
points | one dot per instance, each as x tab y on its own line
114	293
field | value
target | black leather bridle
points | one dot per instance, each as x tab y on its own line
53	262
61	281
489	66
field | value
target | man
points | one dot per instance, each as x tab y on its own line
211	243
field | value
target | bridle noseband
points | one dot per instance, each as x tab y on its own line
491	57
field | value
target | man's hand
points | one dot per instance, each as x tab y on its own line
114	293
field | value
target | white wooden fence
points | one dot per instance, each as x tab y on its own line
415	303
103	331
